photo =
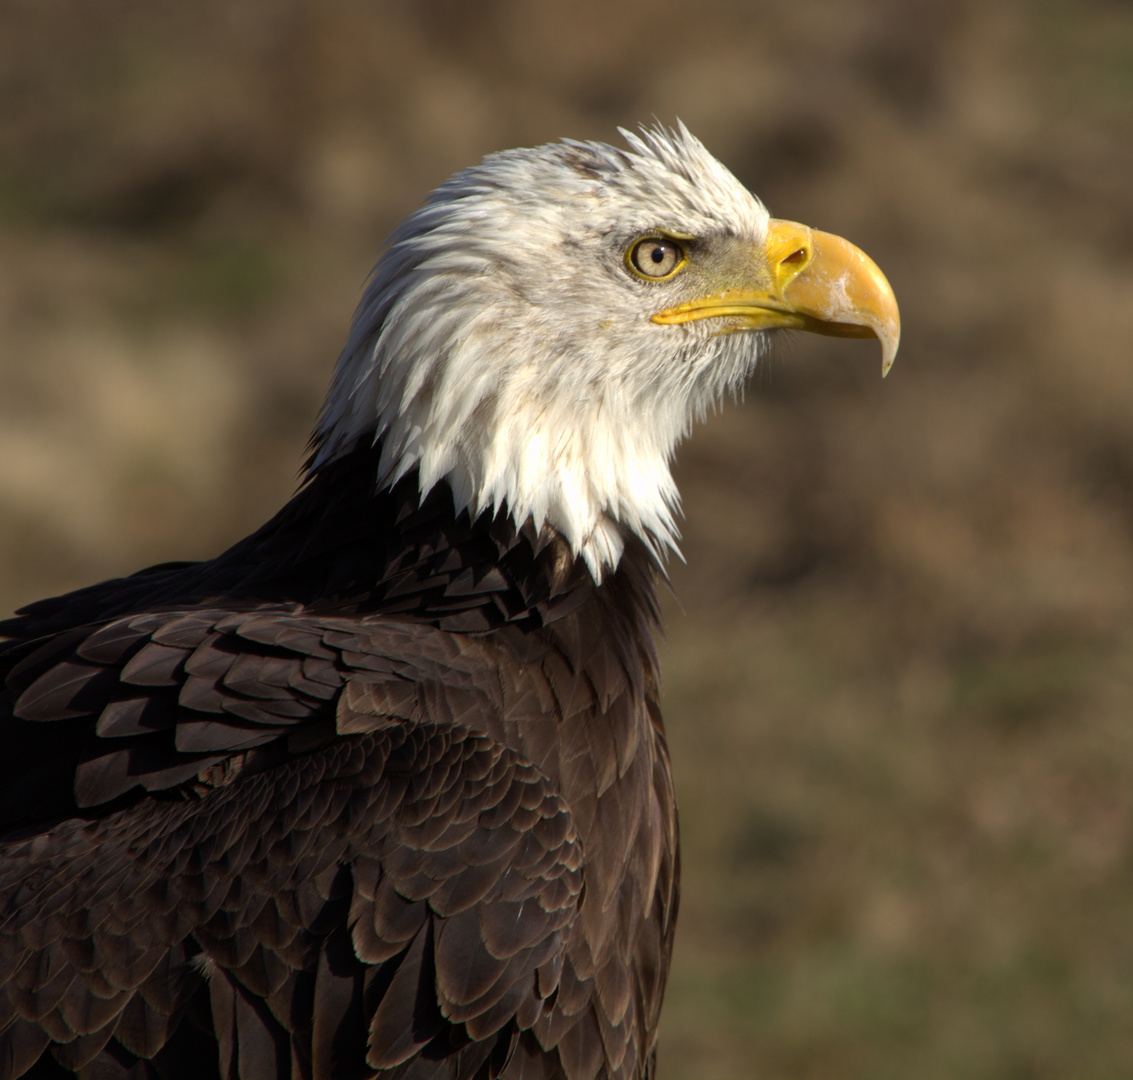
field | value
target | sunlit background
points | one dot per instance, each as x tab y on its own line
900	657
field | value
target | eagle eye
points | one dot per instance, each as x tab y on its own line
655	258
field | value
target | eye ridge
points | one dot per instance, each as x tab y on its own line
655	258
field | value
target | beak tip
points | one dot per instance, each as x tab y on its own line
888	355
890	338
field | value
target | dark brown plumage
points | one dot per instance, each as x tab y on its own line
292	825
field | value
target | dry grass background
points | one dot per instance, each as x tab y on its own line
900	671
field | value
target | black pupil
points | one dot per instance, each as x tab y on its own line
657	254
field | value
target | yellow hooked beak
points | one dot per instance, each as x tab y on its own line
806	280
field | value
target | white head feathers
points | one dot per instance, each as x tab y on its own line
504	346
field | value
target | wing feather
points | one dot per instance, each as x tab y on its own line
357	849
267	872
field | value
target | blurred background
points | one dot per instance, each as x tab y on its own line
900	657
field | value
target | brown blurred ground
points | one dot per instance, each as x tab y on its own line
900	673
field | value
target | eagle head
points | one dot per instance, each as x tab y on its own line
543	332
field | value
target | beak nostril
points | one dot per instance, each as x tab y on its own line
796	258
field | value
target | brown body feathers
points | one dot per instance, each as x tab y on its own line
381	790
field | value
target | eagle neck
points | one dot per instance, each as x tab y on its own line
346	544
344	547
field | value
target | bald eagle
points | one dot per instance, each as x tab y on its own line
383	789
